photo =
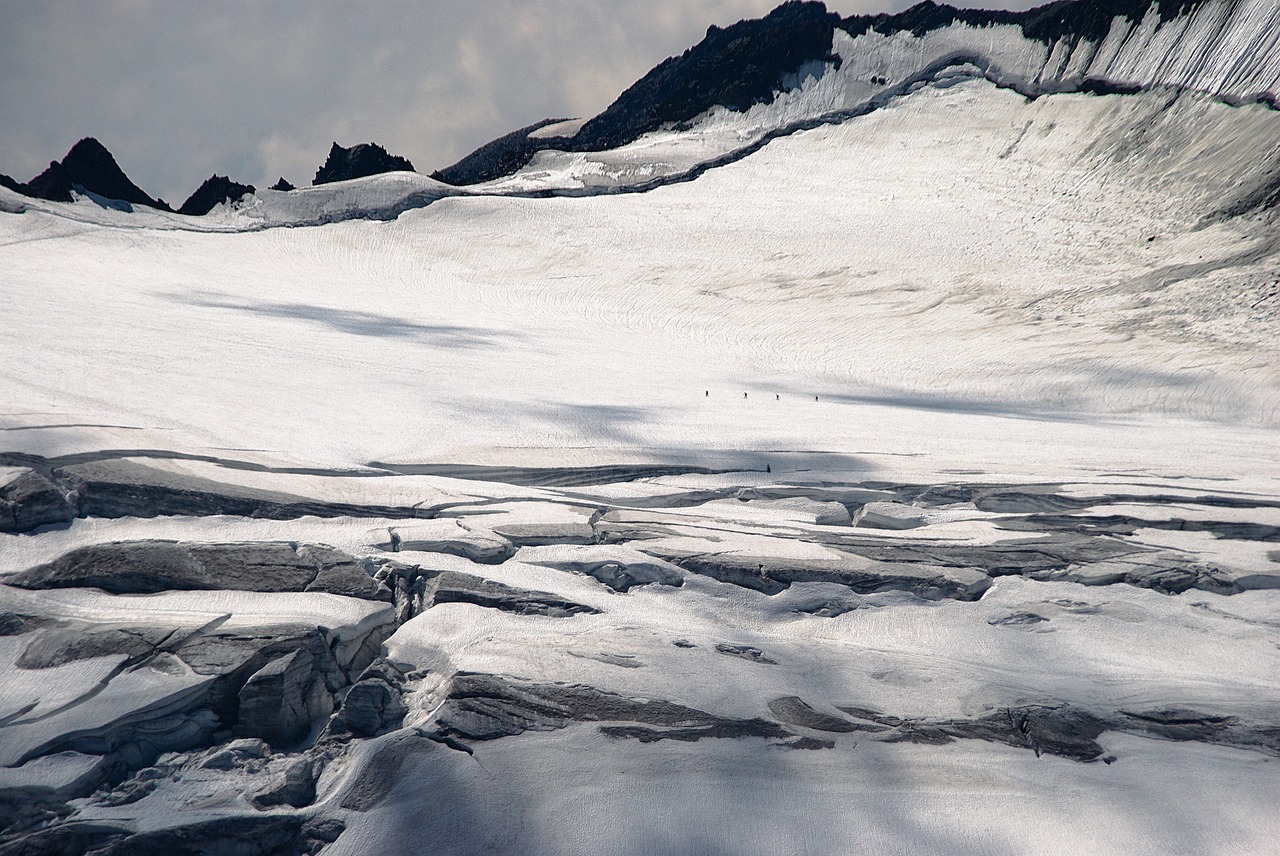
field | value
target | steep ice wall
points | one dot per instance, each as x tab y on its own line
1225	49
1228	48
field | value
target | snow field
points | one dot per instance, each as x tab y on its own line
477	326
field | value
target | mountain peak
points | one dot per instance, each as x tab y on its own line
215	190
89	153
360	160
88	167
737	67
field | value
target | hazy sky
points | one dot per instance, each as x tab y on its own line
178	89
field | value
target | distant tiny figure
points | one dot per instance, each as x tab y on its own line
815	398
744	395
395	541
768	468
707	393
777	397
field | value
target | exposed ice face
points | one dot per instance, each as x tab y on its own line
766	656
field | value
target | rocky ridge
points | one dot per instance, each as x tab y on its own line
216	190
358	161
87	168
1116	47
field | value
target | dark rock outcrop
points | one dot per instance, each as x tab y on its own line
282	185
215	190
54	184
359	161
747	63
734	67
500	157
13	184
88	167
1084	19
143	567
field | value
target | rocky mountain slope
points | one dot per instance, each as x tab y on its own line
815	66
361	160
216	190
88	169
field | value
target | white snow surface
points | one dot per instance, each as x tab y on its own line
1078	307
959	287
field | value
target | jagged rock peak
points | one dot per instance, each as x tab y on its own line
1223	48
282	185
736	67
359	161
499	157
11	183
88	167
215	190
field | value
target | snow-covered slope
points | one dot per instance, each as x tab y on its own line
905	484
1071	264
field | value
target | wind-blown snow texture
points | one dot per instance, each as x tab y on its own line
905	483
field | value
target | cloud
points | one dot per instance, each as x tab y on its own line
179	89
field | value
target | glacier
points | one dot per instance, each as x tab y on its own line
885	468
